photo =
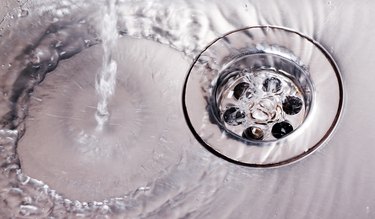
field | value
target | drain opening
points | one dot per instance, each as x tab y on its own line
263	100
263	96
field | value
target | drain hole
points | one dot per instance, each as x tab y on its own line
281	129
292	105
239	90
234	116
253	133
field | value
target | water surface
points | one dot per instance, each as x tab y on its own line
148	165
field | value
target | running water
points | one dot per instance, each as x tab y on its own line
106	79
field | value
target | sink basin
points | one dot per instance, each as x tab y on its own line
147	162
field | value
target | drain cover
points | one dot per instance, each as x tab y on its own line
263	96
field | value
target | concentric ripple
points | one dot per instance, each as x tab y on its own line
76	158
336	182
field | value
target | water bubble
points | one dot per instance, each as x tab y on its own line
266	111
23	13
268	104
281	129
234	116
292	105
253	133
250	93
59	44
259	115
28	210
272	85
87	43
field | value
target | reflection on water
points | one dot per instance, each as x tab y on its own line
151	166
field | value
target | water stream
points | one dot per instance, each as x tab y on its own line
63	62
106	80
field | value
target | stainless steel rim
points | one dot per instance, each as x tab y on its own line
323	113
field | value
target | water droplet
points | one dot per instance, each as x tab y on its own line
23	13
292	105
268	104
250	93
87	43
234	116
281	129
253	133
59	44
272	85
259	115
239	89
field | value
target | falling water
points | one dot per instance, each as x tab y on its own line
106	79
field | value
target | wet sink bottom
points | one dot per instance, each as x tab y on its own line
135	161
136	145
335	182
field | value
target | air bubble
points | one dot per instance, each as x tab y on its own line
272	85
259	115
251	92
23	13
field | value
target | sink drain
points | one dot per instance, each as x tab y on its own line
264	101
263	96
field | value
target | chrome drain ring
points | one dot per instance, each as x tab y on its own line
296	116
